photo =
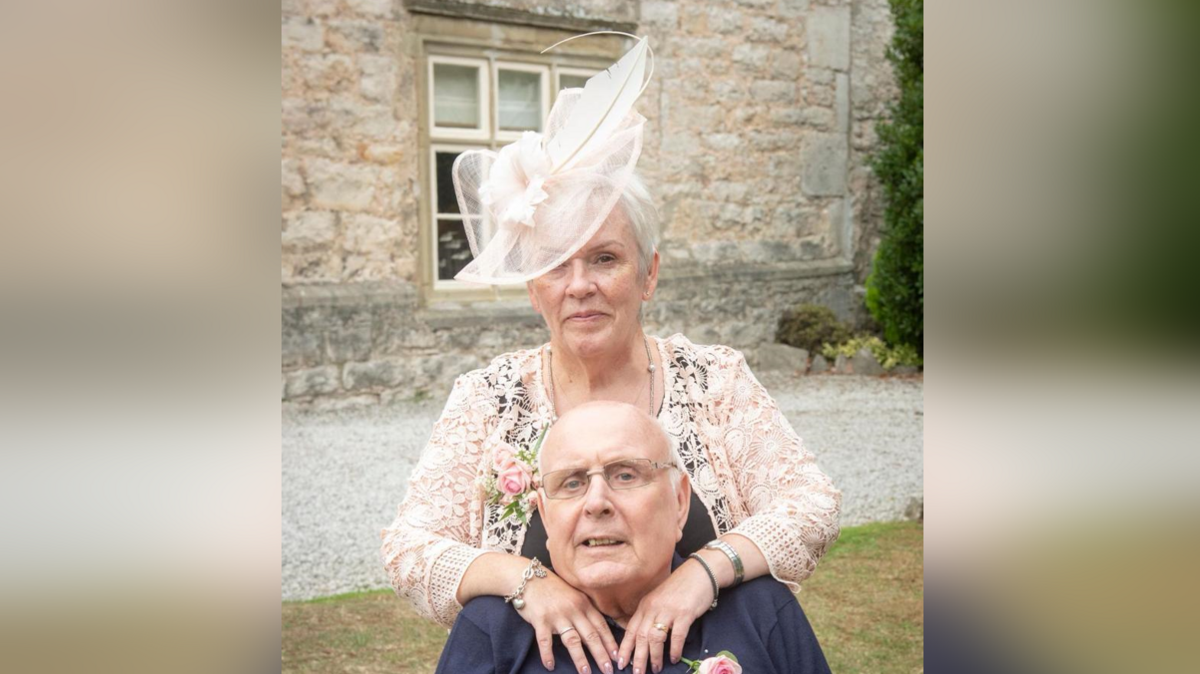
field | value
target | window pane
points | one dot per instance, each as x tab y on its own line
446	201
453	251
520	99
571	81
455	96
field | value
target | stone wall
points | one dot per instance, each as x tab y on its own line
761	122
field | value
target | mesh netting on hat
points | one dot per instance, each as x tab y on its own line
522	219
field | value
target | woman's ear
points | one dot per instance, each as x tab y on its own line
533	301
651	278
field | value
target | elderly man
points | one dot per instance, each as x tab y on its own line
614	502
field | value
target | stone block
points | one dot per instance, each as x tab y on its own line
905	369
380	8
348	333
829	37
379	77
314	381
750	54
354	36
661	15
309	228
302	33
384	153
820	119
722	141
819	365
864	363
841	364
773	91
374	374
339	186
786	65
824	158
723	19
842	105
780	358
368	234
763	29
301	337
793	8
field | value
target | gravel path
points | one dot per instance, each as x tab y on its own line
344	472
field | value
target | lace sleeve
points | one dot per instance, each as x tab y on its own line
437	530
792	506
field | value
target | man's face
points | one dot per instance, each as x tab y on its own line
609	538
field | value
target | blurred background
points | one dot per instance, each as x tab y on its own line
142	365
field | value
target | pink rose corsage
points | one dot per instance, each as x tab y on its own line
721	663
512	479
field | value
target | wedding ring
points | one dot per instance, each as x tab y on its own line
660	627
565	630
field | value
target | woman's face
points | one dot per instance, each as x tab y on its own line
591	301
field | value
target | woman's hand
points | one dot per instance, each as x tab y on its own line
552	606
682	598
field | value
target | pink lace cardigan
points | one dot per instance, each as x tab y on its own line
745	463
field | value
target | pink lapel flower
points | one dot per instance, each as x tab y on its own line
719	665
513	477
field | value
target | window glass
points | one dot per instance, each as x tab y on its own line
446	201
453	251
520	100
455	96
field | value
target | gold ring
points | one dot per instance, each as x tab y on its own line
660	627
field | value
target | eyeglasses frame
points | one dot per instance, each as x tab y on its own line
656	465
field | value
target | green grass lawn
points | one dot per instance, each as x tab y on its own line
865	603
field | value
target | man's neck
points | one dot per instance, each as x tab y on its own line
620	603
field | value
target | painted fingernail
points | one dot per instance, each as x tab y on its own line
637	671
614	654
674	659
608	668
585	670
620	663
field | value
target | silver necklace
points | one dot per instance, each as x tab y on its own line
649	368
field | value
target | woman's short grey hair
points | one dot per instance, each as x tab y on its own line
638	206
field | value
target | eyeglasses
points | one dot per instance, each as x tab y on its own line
620	475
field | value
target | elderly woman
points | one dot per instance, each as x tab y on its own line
615	504
567	215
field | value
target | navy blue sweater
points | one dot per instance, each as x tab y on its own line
759	621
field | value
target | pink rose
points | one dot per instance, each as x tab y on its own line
501	455
514	477
719	665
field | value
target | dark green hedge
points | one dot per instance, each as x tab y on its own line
896	286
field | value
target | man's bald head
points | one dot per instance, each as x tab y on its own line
605	420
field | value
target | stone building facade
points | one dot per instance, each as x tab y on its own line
761	121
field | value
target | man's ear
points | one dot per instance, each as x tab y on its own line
683	501
540	504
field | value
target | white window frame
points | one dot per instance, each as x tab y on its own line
436	217
576	72
544	81
484	132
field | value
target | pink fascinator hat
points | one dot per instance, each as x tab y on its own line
529	207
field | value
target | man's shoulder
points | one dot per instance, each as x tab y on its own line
760	595
491	614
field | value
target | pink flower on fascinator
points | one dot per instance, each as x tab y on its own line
514	187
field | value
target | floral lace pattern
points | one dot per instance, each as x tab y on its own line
745	461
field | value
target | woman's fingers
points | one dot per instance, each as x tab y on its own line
625	652
574	642
658	637
545	642
599	640
679	632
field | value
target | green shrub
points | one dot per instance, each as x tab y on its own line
809	326
888	356
896	285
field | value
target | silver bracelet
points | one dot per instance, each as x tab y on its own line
739	572
711	576
535	568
